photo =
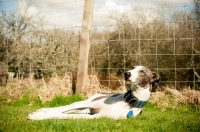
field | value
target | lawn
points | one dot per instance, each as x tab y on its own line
13	118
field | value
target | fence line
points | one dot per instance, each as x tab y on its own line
56	49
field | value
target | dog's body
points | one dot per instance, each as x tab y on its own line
116	106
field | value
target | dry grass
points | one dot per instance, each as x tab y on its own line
55	86
15	90
47	90
93	86
172	98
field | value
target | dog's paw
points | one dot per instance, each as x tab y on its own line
35	116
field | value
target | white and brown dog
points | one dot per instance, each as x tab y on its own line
116	106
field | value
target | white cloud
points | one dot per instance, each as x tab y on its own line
32	10
172	1
110	3
67	13
59	13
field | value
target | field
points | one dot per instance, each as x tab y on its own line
169	110
13	118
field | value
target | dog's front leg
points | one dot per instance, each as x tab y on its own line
117	113
43	116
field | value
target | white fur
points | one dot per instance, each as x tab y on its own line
134	73
112	107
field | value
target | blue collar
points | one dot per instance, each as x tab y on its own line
141	104
133	101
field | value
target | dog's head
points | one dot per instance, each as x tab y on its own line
142	76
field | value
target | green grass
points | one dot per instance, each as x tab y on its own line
13	118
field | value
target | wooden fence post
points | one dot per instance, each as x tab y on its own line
85	43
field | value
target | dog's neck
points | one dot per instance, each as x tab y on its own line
142	93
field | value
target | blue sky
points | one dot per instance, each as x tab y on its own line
68	13
9	4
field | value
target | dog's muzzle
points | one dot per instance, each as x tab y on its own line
127	75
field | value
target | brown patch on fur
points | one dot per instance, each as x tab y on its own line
144	77
147	77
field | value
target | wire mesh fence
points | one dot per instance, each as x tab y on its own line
163	37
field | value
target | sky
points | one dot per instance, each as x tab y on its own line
68	13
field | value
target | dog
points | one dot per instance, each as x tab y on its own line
115	106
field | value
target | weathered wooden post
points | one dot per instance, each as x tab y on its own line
85	42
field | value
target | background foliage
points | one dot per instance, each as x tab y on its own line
168	43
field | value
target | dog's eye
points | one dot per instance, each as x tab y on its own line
133	67
142	71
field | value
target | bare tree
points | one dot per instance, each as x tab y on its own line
197	10
194	58
15	28
137	39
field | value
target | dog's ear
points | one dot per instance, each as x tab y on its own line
155	78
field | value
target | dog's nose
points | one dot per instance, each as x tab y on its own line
127	75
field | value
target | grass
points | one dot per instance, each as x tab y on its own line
13	118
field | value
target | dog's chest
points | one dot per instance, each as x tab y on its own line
142	94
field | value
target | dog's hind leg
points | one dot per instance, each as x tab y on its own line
43	116
79	104
65	108
50	113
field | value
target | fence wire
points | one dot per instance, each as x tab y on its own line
164	38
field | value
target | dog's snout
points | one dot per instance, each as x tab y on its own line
127	75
